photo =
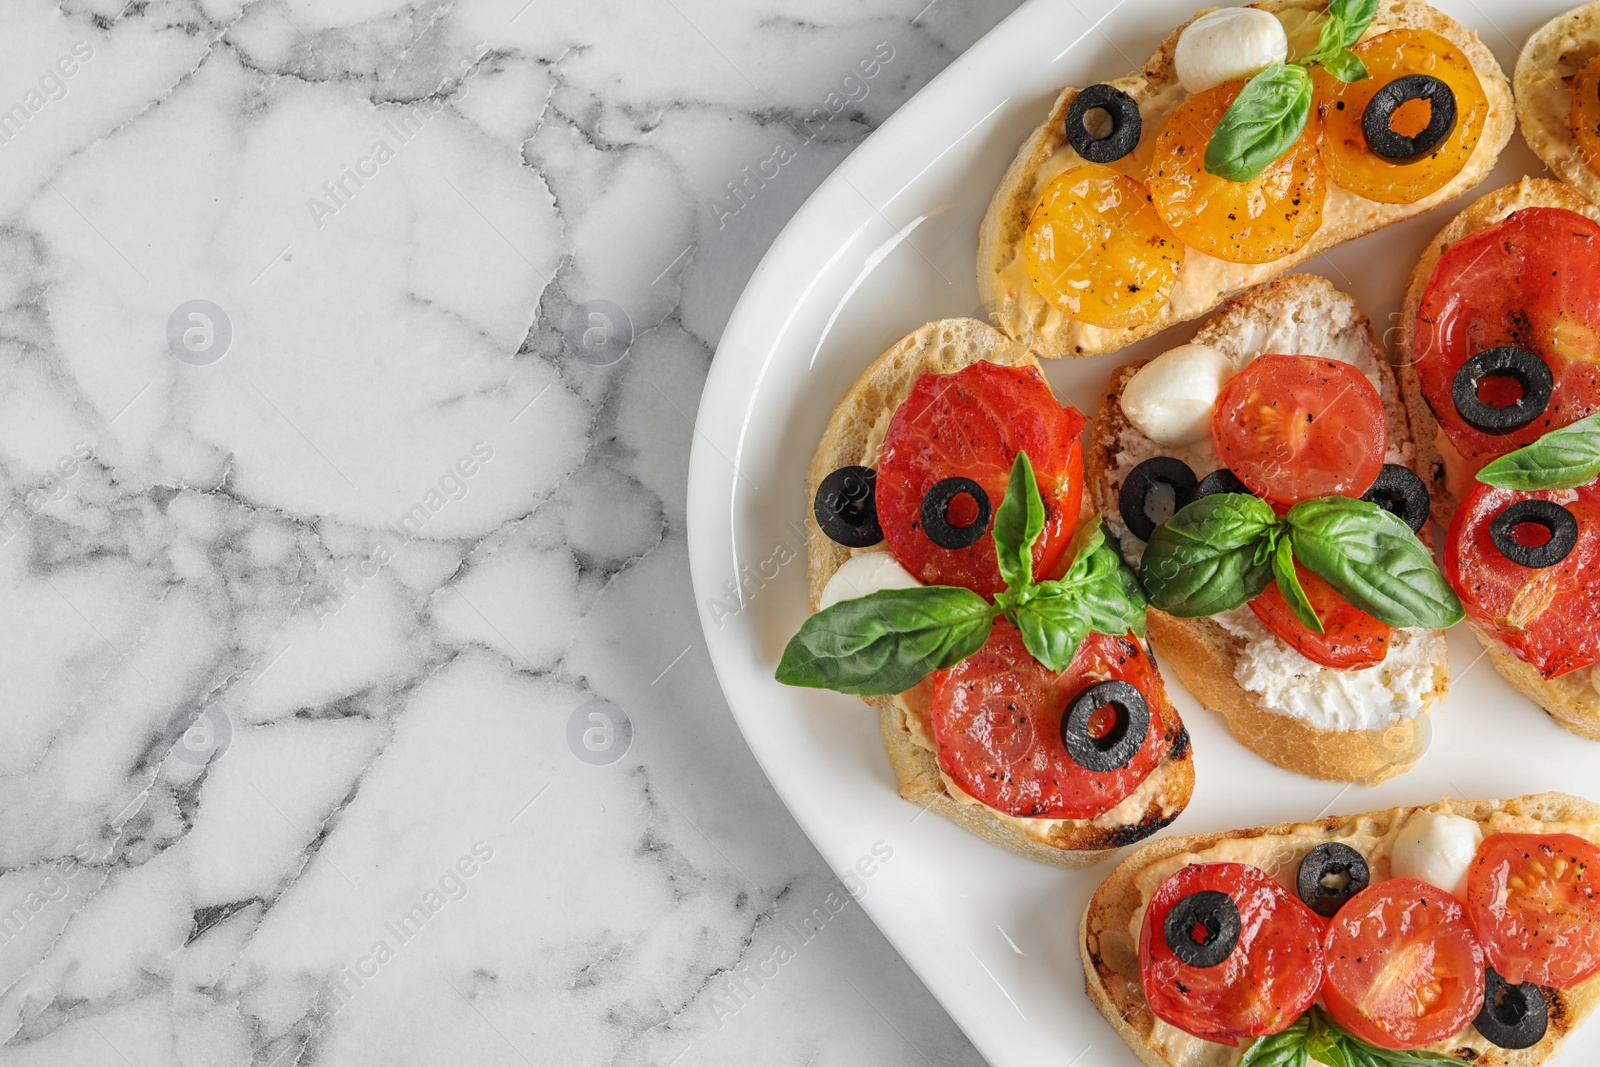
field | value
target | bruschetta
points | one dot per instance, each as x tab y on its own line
1283	399
1464	931
1500	365
960	588
1254	138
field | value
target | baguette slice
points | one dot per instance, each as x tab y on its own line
1109	934
1556	51
1203	281
1571	700
1298	314
855	436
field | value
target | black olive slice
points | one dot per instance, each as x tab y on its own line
1116	746
1521	365
1210	911
1134	499
1513	1016
1221	480
936	523
1556	520
1125	124
1400	492
1336	863
847	507
1377	119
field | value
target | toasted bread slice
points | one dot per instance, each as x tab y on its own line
855	436
1109	934
1557	51
1203	281
1298	314
1571	700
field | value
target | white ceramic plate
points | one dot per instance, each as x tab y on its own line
887	243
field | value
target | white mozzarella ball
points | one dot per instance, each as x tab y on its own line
1231	42
1438	849
868	572
1171	398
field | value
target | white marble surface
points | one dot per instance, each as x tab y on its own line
300	637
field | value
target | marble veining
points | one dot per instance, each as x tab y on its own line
357	711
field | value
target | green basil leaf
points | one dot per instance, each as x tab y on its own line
1110	595
1211	556
1017	525
1263	121
1098	593
1356	15
1053	624
1327	1049
1382	1057
1373	560
1294	594
1132	591
1350	1051
1564	458
1346	66
1330	41
887	641
1284	1049
1324	1043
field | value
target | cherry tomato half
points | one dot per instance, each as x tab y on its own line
971	424
1535	902
1297	427
1545	615
997	723
1404	968
1529	281
1350	639
1263	985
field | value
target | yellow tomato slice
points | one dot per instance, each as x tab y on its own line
1243	222
1097	250
1352	164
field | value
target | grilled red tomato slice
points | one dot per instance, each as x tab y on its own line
971	424
1404	968
1535	902
1350	639
1262	985
1545	615
1297	427
1530	281
997	723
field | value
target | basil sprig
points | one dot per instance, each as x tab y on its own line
1271	111
1097	594
1224	549
1564	458
887	641
1315	1036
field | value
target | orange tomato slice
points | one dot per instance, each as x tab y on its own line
1096	249
1242	222
1352	164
